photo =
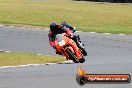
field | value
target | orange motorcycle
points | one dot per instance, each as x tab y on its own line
68	48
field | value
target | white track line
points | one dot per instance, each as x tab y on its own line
107	33
67	62
3	67
39	54
92	32
27	65
50	63
7	51
8	67
121	34
1	25
11	26
1	51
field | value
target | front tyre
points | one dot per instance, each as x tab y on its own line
82	60
71	56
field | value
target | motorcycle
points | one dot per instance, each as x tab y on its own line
68	48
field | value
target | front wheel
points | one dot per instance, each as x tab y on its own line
82	60
82	49
72	56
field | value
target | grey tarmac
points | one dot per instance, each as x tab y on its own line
107	53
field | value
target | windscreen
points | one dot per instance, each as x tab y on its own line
59	37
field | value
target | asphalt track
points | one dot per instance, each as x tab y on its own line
107	53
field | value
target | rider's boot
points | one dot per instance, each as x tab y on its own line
57	52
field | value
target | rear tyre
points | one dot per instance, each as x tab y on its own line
72	57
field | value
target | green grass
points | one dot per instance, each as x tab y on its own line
85	16
22	58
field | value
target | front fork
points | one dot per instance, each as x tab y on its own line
64	53
76	39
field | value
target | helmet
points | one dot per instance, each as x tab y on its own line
53	26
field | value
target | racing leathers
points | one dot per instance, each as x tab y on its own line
64	28
52	35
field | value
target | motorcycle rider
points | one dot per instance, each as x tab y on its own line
63	28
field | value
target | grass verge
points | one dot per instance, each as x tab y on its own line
86	16
22	58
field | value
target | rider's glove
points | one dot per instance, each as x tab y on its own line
74	30
54	47
70	35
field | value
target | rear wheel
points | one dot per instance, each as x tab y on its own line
72	56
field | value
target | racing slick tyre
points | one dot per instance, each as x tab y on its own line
82	60
72	57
